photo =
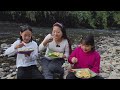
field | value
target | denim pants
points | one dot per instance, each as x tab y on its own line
30	72
52	67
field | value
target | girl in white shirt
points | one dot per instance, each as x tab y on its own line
55	42
26	62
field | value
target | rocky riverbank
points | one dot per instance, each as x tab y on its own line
109	48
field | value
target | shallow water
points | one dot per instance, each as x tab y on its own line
10	32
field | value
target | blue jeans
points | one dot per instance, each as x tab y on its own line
52	67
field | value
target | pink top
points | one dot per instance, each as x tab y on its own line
89	60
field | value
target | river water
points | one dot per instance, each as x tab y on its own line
9	32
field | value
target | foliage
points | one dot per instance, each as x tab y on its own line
86	19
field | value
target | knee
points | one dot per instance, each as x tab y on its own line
70	76
51	67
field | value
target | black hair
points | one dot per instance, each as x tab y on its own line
24	28
88	40
60	25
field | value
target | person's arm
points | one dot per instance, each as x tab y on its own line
34	54
45	42
66	54
73	54
96	65
11	50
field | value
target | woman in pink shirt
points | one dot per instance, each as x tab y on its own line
85	56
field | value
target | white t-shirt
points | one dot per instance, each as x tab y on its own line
22	60
64	47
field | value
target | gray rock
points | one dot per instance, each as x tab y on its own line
4	45
6	69
104	75
1	70
5	64
2	74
